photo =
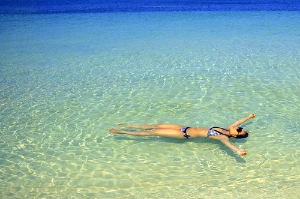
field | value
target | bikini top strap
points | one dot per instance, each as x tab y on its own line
219	131
219	128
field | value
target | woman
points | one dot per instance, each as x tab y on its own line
182	132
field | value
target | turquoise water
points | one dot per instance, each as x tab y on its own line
67	78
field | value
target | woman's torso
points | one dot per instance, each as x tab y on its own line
204	132
197	132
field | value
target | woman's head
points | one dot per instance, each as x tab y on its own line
237	132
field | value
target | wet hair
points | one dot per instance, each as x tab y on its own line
242	136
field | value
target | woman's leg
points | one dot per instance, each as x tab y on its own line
173	133
169	126
149	127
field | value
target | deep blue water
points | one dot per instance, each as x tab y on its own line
89	6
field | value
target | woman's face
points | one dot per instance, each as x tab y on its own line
236	131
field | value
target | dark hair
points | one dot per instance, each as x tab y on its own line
242	136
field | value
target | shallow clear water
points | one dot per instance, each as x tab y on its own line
67	78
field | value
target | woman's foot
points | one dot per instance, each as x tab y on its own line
124	125
115	131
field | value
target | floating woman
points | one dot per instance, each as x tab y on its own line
182	132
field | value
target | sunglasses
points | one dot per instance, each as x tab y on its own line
239	129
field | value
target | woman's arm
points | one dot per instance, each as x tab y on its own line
225	140
227	143
243	120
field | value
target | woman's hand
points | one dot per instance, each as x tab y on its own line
252	115
241	152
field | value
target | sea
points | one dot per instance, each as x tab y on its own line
70	72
